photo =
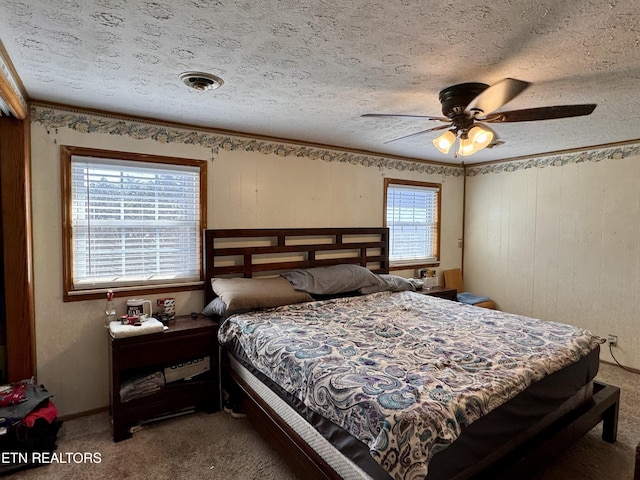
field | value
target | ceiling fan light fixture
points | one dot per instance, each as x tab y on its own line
445	141
465	104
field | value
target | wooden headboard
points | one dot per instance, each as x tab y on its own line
263	251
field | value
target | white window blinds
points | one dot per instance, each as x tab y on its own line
412	218
134	223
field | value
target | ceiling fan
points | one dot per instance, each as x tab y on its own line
468	106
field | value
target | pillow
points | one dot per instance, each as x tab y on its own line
378	287
215	307
331	280
253	293
393	283
398	284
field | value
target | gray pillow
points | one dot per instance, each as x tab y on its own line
331	280
380	287
393	283
216	307
254	293
397	283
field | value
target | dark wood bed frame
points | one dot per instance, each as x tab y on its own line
255	252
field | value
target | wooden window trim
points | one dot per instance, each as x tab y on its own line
66	152
415	183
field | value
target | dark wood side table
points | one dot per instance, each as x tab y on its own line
186	339
442	292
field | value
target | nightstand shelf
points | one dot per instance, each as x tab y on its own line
186	339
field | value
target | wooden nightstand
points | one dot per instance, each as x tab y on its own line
442	292
186	339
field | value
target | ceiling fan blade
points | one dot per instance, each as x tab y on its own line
496	96
441	127
424	117
541	113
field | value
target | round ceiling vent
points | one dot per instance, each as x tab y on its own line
201	81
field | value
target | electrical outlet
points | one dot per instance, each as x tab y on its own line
459	243
612	340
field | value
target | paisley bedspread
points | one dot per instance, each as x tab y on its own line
403	372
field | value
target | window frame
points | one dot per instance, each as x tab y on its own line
408	264
66	154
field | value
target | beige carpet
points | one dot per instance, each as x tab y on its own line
201	446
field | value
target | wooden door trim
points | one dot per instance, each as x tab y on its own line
15	180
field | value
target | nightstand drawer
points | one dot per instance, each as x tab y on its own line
167	349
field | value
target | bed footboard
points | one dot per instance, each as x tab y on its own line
529	457
542	448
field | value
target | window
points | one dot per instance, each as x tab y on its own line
412	214
131	222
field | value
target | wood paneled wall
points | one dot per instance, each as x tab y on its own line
561	243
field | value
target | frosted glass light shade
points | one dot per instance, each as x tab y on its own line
467	147
477	138
445	141
480	136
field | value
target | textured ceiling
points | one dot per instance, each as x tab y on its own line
307	69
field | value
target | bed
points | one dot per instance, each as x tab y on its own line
368	417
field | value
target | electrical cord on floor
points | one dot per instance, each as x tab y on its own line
619	364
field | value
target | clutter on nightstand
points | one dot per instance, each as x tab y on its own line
120	330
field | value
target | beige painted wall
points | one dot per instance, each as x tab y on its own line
561	243
246	190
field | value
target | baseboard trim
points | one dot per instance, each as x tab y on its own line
86	413
613	364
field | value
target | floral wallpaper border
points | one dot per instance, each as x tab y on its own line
613	152
115	125
86	122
